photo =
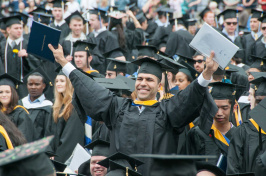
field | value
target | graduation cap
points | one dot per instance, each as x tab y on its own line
129	82
242	174
186	59
75	14
28	159
41	10
117	65
165	11
23	17
116	17
121	158
258	74
262	19
59	167
112	8
259	63
120	168
192	22
84	46
189	70
147	51
141	17
175	21
43	18
256	13
58	3
260	85
229	13
228	71
201	166
15	19
9	80
150	66
222	91
173	65
100	12
112	84
133	7
171	165
203	12
99	147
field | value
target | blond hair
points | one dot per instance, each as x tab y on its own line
63	100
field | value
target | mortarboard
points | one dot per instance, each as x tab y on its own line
41	10
133	7
9	80
258	74
147	51
259	63
191	22
74	15
116	17
242	174
186	59
15	19
172	165
201	166
58	3
28	159
141	17
129	82
112	84
229	13
221	90
202	13
43	18
117	65
121	158
260	85
112	8
120	168
189	70
59	167
150	66
174	21
256	13
228	71
23	17
173	65
99	147
101	13
84	46
263	19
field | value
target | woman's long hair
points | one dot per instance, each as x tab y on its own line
120	32
13	132
63	100
13	102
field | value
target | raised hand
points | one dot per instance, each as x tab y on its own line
211	67
58	55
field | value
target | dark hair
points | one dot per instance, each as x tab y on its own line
189	78
37	74
237	60
13	132
120	33
13	102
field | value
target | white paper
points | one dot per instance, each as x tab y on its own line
208	39
80	155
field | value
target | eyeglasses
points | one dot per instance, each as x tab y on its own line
199	61
263	28
229	23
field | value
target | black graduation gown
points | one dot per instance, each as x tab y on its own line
64	28
23	122
260	168
259	49
41	120
3	144
160	36
247	42
100	131
106	41
178	43
152	131
66	136
244	149
152	26
199	143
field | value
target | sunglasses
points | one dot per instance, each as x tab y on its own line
229	23
199	61
263	28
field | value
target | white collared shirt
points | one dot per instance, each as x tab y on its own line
96	33
9	41
60	23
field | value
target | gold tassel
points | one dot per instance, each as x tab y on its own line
126	171
261	64
51	84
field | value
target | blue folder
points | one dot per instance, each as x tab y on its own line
40	36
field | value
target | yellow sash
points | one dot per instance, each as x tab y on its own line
218	135
3	109
18	106
256	125
167	96
145	103
238	114
5	135
90	71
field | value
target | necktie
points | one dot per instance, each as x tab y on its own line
256	36
13	43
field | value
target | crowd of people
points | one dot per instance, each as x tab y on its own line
127	86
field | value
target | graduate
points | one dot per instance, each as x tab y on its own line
158	119
215	142
148	26
199	62
59	23
19	115
116	67
259	46
248	140
105	41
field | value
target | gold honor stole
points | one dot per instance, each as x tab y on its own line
7	139
145	103
218	135
90	71
18	106
256	125
238	116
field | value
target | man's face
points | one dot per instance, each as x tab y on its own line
250	77
210	19
35	86
263	29
147	86
94	22
199	63
14	31
230	25
110	74
76	26
223	114
57	13
96	169
254	24
80	58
